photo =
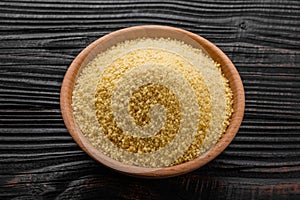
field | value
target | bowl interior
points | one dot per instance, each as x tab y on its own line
114	38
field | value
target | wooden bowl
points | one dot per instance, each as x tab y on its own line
113	38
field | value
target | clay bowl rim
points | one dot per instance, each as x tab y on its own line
81	60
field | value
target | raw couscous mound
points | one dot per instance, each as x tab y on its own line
152	102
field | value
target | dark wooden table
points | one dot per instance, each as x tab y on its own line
38	41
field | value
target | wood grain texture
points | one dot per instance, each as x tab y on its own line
38	41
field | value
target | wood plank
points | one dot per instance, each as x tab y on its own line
38	41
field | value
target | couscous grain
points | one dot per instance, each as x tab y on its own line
152	102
